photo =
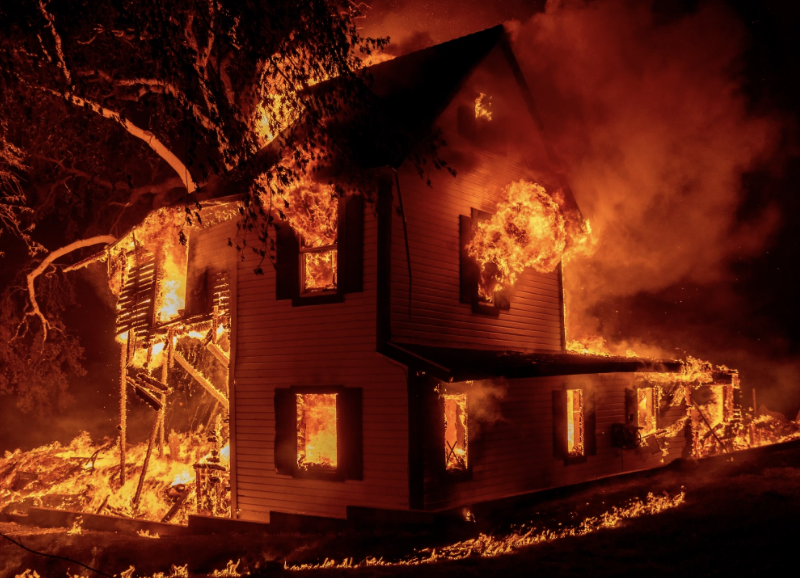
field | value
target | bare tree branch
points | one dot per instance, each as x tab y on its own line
35	311
158	147
57	39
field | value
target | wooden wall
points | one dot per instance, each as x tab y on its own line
515	454
333	344
437	317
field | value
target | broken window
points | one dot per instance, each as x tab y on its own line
316	431
318	263
455	431
575	425
645	409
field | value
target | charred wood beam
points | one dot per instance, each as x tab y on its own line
138	495
149	398
201	379
221	356
152	381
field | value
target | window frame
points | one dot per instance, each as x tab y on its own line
348	467
302	252
469	271
561	424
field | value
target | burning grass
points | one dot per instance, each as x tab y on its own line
489	546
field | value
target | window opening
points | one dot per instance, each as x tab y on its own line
575	425
316	432
455	431
646	411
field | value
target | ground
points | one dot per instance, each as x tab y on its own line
740	517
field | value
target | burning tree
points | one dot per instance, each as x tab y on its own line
121	107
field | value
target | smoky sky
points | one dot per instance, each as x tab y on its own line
675	125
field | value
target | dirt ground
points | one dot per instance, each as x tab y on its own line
741	517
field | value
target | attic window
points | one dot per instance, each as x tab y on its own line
318	265
455	432
575	423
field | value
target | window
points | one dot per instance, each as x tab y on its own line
574	421
455	432
470	275
318	266
315	270
575	446
645	409
318	432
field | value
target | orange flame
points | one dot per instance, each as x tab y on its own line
483	107
316	431
455	431
529	229
171	295
575	422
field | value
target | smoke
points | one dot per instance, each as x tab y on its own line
485	397
647	113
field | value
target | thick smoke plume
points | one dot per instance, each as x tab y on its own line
647	115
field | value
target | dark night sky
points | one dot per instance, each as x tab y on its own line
747	319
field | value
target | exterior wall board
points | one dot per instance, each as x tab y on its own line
334	344
514	455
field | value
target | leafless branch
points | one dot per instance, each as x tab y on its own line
35	310
57	39
158	147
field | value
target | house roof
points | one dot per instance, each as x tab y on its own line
453	364
410	92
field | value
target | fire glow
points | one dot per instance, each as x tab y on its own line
488	546
316	431
575	445
455	431
530	228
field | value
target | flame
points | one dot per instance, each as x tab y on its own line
575	422
490	546
316	431
529	229
483	107
645	408
455	431
320	270
171	295
56	482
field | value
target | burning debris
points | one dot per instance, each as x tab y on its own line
530	228
84	476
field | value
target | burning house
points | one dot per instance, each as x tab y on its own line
408	351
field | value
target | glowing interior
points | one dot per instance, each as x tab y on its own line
319	271
575	422
646	411
455	431
316	431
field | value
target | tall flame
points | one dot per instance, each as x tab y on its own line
529	229
316	431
